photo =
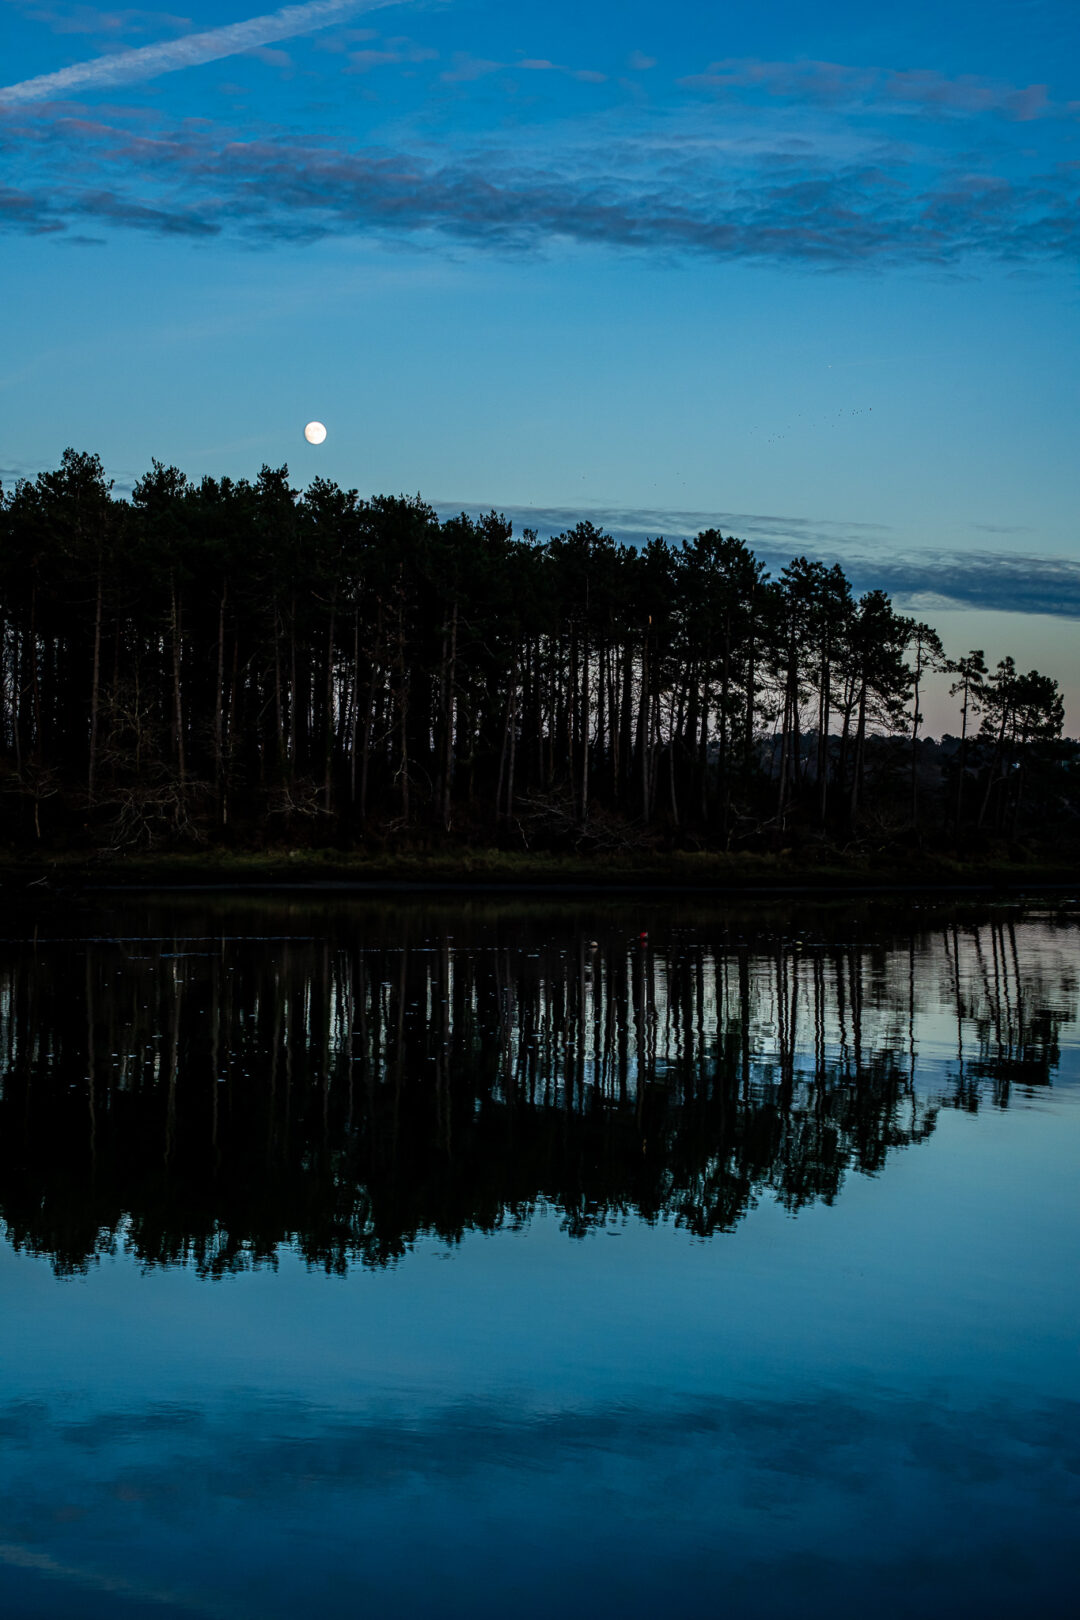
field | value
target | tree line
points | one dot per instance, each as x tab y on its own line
235	659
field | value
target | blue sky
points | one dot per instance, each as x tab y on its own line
806	270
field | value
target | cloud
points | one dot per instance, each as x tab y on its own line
541	64
638	62
394	51
635	525
20	210
1005	581
817	1435
91	20
465	68
706	1449
114	210
821	199
86	1577
192	50
916	90
1010	582
269	56
745	1484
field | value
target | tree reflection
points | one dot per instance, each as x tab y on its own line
205	1088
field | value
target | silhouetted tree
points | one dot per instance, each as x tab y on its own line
249	661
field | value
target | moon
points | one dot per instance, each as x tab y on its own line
314	433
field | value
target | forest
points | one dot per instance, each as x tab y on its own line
242	664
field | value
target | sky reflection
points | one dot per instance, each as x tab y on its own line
866	1400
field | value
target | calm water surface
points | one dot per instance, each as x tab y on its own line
498	1259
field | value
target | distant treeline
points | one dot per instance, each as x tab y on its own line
237	660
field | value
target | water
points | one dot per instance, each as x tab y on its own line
490	1259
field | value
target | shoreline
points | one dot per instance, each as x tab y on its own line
700	875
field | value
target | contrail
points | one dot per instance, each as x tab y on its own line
191	51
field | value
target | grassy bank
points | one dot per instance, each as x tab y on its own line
694	871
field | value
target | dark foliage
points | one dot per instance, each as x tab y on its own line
242	662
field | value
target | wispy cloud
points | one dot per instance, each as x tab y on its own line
191	50
756	205
465	68
781	183
1002	581
911	90
782	534
1007	582
541	64
77	19
393	52
11	473
778	1447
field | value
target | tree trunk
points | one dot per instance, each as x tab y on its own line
643	728
354	707
369	717
703	753
448	754
328	772
403	715
751	677
503	754
671	762
219	700
824	722
17	689
513	749
230	722
294	697
626	742
857	769
178	711
95	679
995	766
279	710
35	679
962	755
586	724
915	720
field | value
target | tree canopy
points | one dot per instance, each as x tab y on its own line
242	660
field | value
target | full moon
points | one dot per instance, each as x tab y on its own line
314	433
